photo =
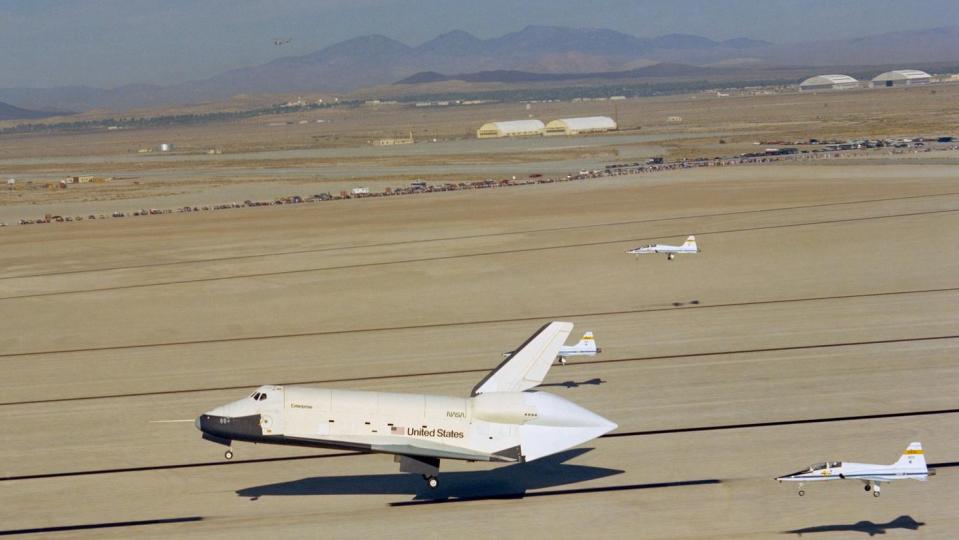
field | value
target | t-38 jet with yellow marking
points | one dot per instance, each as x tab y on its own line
911	465
502	421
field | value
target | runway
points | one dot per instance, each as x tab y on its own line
819	323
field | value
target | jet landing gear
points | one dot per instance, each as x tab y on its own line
801	492
872	487
670	257
228	454
431	481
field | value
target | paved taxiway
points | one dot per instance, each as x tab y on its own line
823	294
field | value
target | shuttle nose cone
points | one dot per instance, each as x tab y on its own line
197	423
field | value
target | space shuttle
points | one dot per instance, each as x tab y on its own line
503	420
911	465
689	246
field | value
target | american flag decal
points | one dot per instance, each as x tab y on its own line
397	430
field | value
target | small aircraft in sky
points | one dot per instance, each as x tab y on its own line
282	41
500	422
912	465
689	246
585	347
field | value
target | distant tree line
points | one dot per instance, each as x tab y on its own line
571	92
133	122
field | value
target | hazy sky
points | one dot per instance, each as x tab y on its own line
106	43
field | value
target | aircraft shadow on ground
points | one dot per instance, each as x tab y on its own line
868	527
574	384
504	482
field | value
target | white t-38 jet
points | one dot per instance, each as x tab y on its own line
689	246
585	347
501	421
912	465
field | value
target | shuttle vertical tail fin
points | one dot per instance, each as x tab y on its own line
527	366
690	243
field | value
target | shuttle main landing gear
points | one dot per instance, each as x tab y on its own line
228	454
801	492
872	487
431	481
670	257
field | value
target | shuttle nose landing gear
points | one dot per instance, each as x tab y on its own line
228	454
431	481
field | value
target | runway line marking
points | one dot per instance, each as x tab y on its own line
486	370
774	423
108	525
554	316
461	256
147	468
477	236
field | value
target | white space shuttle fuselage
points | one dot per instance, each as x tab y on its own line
501	421
500	426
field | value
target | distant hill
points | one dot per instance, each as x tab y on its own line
10	112
531	54
512	76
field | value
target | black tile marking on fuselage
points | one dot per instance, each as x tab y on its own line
107	525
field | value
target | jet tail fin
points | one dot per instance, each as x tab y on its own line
690	242
587	344
527	366
913	457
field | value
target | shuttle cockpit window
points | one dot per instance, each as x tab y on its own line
256	396
261	398
817	467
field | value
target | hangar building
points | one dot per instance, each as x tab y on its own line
828	82
576	126
901	77
512	128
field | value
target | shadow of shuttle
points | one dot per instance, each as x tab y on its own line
512	481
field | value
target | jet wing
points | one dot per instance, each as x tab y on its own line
527	366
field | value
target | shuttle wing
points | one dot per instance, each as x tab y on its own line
528	365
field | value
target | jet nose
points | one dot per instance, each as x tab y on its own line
197	423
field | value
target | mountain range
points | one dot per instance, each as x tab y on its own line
540	50
11	112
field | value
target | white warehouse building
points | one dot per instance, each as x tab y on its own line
512	128
576	126
901	77
828	82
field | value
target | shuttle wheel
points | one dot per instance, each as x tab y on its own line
801	493
228	454
670	257
867	487
432	481
875	493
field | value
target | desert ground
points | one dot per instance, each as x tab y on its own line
818	323
274	156
822	293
